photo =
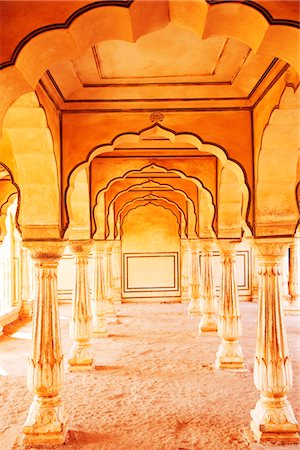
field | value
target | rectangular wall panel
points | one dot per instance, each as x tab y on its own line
150	274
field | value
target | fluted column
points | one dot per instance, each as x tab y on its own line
81	356
185	271
229	355
273	418
46	423
194	306
26	294
293	306
99	300
116	270
208	322
254	293
111	312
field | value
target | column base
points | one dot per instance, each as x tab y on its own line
292	306
274	421
100	329
100	333
81	358
208	324
230	356
194	308
26	309
117	301
46	424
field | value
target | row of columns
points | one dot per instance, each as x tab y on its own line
273	416
46	423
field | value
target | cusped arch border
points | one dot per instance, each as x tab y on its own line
126	4
10	199
182	137
162	169
172	189
143	201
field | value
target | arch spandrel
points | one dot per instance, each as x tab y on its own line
277	178
26	138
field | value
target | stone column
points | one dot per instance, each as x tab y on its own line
273	418
116	270
194	306
185	271
26	294
208	321
293	306
46	423
254	293
99	300
229	355
111	313
81	356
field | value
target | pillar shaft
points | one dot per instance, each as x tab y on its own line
194	306
273	418
229	355
208	321
81	356
99	300
116	270
46	421
26	294
185	271
111	313
293	306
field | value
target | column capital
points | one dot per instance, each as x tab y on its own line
45	250
109	245
98	246
207	245
186	243
195	245
227	246
80	248
272	249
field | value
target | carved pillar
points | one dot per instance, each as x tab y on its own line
26	294
46	421
208	321
116	270
185	271
194	306
99	300
111	312
293	306
81	356
273	418
254	293
229	355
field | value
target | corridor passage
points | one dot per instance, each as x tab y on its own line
154	385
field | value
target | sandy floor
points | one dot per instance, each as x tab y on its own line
154	385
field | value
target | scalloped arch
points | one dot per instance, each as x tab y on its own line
159	131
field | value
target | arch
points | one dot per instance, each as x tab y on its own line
157	130
26	136
89	25
3	214
191	207
157	201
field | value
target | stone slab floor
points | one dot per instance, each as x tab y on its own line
154	385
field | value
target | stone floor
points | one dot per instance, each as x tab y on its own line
154	385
